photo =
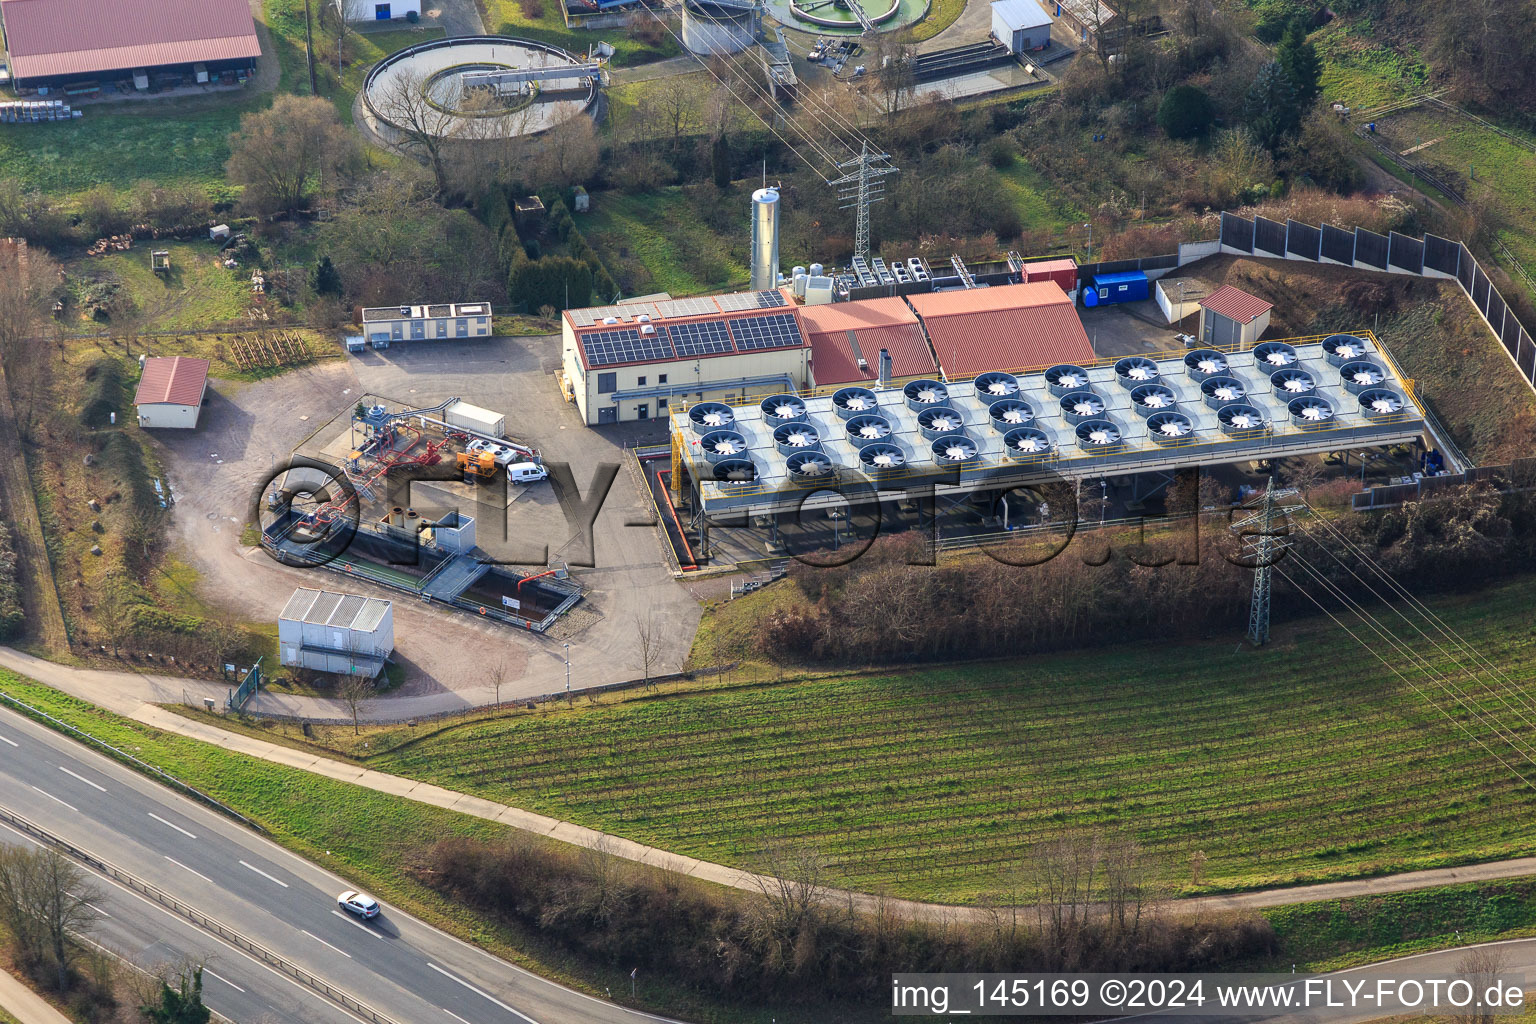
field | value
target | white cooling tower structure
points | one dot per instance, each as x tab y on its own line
765	239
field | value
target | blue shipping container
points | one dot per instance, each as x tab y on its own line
1109	288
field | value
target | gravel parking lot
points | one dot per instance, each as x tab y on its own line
246	430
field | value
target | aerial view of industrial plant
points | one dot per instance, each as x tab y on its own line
767	511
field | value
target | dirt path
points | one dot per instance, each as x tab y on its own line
40	596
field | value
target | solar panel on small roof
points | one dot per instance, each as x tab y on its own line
625	345
705	338
761	332
595	315
739	301
698	306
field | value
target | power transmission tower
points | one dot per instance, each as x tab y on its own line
1263	537
860	187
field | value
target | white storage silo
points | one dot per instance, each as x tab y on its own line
765	239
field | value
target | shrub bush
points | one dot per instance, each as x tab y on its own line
107	392
1186	112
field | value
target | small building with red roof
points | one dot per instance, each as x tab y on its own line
171	390
1232	317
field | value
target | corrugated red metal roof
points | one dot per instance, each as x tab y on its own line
887	323
174	380
50	38
1236	304
1004	328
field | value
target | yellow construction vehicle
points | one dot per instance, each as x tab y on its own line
478	464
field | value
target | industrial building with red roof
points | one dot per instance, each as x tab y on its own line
1006	327
61	42
847	337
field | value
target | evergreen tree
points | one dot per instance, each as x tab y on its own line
1299	58
325	280
1272	111
1186	111
720	162
180	1005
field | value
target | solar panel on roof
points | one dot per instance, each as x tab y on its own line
700	339
597	314
760	332
687	307
624	345
740	301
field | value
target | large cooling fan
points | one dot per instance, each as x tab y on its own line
1168	427
853	401
1099	433
858	403
1341	348
926	392
954	449
799	437
1275	355
1225	390
1153	396
716	419
809	464
724	446
783	408
1236	419
942	422
1066	378
1173	428
869	430
1310	411
1380	402
883	457
1134	370
735	471
1082	405
1363	375
1027	442
1011	413
1292	382
997	385
1205	363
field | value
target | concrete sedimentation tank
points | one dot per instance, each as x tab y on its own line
716	29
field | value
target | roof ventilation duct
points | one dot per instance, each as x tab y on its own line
935	422
1065	379
1027	444
707	416
1150	398
723	444
1240	420
1310	413
795	437
1133	371
783	409
1099	437
996	384
1170	428
921	394
1339	349
1274	355
867	430
1220	391
1081	405
1290	383
854	402
1360	375
1376	403
1010	413
1205	362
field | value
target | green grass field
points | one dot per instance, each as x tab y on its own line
1032	196
1359	72
1298	762
197	293
661	233
507	17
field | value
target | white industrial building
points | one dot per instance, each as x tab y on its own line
1021	25
342	633
378	10
635	360
170	392
442	322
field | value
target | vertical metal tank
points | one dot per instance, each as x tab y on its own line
765	239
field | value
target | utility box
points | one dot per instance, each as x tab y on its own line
475	419
347	634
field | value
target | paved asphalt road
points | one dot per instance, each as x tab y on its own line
396	964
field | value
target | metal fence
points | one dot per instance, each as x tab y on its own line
1430	256
197	917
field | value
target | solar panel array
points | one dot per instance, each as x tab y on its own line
625	345
706	338
762	332
740	301
698	306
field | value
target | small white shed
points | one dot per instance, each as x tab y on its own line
343	633
1021	25
1231	316
170	392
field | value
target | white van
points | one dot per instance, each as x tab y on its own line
526	472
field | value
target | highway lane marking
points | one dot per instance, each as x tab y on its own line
196	872
482	993
93	906
172	824
357	924
11	742
324	943
226	981
263	874
455	1016
82	778
56	800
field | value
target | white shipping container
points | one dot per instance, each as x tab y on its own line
472	417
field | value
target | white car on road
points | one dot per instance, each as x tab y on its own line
361	904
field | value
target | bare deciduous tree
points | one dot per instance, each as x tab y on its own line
280	151
648	641
44	902
498	676
356	692
421	125
1481	968
28	284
